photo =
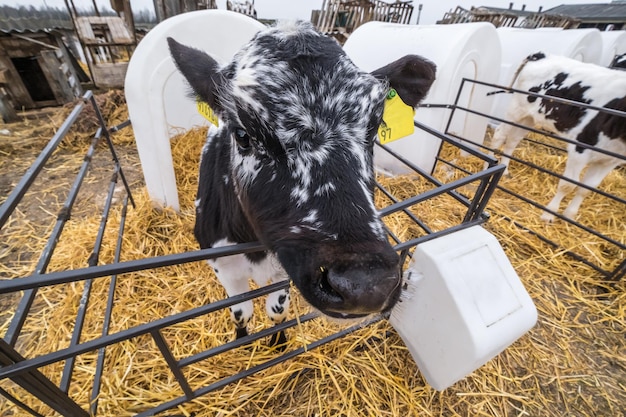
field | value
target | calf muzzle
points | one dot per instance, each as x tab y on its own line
345	285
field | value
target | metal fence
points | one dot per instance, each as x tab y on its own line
557	144
468	195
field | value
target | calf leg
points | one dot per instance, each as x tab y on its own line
277	302
510	136
592	178
277	307
573	167
233	273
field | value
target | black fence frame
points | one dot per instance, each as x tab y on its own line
617	273
25	371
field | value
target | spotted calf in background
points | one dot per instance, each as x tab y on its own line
566	78
291	166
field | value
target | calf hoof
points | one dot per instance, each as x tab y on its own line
241	332
278	341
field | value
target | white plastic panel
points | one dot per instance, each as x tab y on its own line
158	99
465	305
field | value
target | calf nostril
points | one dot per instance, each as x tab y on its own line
325	285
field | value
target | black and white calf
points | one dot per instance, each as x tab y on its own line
573	80
291	166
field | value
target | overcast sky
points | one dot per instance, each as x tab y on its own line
432	10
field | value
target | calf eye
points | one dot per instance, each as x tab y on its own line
242	138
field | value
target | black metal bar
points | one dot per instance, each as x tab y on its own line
95	254
560	216
406	211
544	239
485	190
552	173
246	340
19	403
462	199
63	277
542	132
91	345
97	379
38	385
449	122
23	308
443	189
462	146
119	127
553	98
414	242
255	369
84	299
107	137
6	209
171	362
619	272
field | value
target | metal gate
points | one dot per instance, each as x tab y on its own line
466	198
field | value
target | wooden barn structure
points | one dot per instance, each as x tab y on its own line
608	16
508	17
36	67
108	45
339	18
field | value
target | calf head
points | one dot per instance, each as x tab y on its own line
302	120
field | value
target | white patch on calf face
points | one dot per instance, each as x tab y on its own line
295	230
378	229
324	190
310	114
245	167
311	217
300	195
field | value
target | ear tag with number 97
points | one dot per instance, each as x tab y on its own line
205	110
397	119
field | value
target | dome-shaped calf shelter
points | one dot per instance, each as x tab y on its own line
613	43
460	51
153	88
584	45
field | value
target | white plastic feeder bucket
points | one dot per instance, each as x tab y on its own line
464	305
584	45
157	96
469	50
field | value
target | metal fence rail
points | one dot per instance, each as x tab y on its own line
25	371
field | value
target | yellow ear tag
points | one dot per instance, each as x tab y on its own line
397	119
205	110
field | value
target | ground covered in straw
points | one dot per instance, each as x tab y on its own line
572	363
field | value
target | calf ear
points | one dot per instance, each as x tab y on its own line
200	70
411	76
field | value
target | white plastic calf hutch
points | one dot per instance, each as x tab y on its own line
584	45
156	92
468	50
613	43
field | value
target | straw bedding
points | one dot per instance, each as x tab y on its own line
572	363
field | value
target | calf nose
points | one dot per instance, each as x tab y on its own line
361	290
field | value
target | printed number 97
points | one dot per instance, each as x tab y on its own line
385	135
